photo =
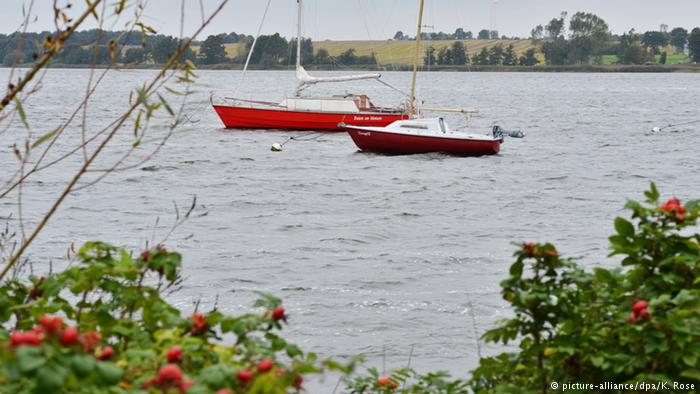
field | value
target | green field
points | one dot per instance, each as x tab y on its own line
393	52
402	52
670	59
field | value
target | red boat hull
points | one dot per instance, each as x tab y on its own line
401	144
256	118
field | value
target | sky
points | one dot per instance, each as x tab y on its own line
377	19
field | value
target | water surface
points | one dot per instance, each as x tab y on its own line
373	254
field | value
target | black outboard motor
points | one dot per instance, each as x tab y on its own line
499	132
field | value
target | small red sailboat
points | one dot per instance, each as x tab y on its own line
424	136
308	112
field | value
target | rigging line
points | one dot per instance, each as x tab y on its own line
255	40
392	87
369	35
383	34
681	124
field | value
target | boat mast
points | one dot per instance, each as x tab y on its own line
299	11
412	107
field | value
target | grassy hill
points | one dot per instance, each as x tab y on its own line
401	52
394	52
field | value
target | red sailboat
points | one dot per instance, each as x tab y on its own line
308	113
424	136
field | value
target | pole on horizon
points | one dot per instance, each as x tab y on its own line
412	105
299	15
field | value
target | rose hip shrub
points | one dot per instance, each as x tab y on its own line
101	326
640	322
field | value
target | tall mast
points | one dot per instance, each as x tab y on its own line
412	107
299	12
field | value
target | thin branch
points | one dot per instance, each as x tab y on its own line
54	49
148	90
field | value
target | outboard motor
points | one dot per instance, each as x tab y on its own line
500	132
497	132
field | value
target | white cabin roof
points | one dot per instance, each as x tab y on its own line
339	104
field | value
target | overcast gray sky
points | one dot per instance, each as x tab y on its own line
380	19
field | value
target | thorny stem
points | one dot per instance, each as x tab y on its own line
80	307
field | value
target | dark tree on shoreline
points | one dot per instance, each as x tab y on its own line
679	37
694	45
213	51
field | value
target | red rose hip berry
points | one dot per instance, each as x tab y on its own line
638	306
51	324
265	365
298	381
169	375
69	336
244	376
174	355
105	353
644	314
278	313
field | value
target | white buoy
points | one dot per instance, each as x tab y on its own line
276	147
656	129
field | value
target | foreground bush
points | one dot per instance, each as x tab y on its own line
640	323
102	326
98	327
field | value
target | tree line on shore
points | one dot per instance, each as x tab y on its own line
589	39
496	55
459	34
96	46
582	39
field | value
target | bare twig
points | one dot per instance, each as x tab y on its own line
53	50
146	91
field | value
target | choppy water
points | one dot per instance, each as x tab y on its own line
375	254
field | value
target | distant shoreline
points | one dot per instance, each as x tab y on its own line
584	68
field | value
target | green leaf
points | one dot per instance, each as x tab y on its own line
175	92
109	373
653	194
166	105
692	205
690	360
83	365
45	137
213	376
293	351
51	378
516	269
137	125
29	358
691	374
597	360
623	227
22	114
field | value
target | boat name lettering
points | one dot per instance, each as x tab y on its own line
368	118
